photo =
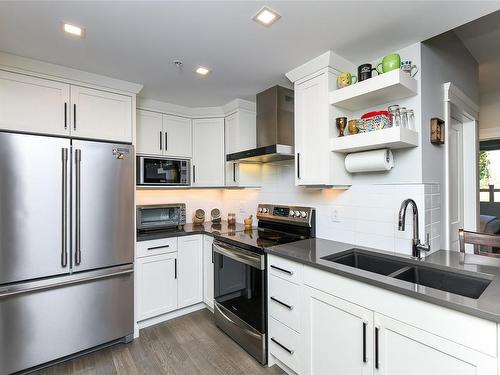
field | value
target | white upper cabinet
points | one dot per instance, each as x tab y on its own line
312	131
240	131
163	135
100	114
208	152
178	136
149	132
190	270
240	135
33	105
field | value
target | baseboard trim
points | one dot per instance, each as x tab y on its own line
171	315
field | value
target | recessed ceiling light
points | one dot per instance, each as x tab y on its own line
266	16
73	30
201	70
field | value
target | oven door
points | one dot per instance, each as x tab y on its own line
240	296
160	171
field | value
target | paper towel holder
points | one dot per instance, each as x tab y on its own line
361	162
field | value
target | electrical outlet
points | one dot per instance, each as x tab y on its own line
335	215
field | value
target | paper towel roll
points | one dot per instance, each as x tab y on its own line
369	161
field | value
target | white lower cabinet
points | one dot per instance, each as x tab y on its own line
169	275
347	333
404	349
190	270
157	286
338	335
208	272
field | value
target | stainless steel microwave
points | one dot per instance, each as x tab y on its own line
156	171
162	216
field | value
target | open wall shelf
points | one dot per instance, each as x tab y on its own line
384	88
392	138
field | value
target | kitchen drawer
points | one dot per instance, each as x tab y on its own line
285	269
156	247
284	302
286	345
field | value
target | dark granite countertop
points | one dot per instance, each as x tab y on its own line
310	252
189	229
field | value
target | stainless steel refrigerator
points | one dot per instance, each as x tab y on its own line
66	247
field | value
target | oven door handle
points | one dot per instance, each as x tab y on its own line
242	256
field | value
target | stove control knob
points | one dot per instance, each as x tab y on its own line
292	213
265	210
303	214
260	210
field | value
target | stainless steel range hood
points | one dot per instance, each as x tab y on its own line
275	129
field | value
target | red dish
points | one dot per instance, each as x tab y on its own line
375	113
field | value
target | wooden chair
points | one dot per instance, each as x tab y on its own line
480	239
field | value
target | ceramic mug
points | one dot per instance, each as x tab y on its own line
407	67
365	72
345	79
389	62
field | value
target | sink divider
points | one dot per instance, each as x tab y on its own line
400	271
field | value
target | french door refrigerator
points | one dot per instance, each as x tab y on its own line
66	247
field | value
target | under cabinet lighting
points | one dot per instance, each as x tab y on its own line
266	16
73	30
201	70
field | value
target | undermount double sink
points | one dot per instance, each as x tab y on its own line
447	281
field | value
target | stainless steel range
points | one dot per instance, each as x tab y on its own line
240	279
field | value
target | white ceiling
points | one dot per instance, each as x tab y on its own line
137	40
482	39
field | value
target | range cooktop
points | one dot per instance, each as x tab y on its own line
277	225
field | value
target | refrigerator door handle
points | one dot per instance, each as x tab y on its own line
64	253
78	250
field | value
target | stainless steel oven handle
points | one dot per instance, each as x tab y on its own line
239	255
219	310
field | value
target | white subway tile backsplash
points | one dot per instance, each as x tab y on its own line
365	215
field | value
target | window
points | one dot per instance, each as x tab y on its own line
489	171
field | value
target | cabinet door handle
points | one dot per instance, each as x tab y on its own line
74	116
364	342
166	141
376	348
194	173
65	115
161	140
282	270
175	268
158	247
298	165
290	351
234	172
289	307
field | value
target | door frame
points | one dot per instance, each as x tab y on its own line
456	103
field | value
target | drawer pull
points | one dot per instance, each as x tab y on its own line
282	270
158	247
289	307
377	364
282	346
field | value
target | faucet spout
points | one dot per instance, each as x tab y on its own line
416	246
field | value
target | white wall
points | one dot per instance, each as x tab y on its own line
489	115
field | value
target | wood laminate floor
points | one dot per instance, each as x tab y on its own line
191	344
